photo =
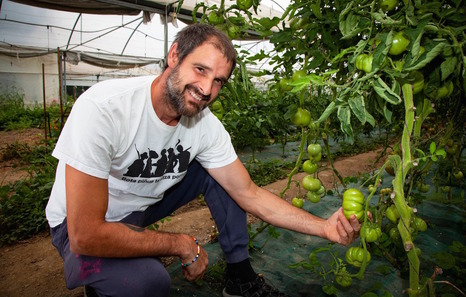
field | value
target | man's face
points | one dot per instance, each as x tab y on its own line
194	83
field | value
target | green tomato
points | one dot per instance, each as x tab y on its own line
422	187
233	32
371	232
321	191
298	23
244	4
217	109
400	43
298	75
309	167
389	169
394	235
420	224
313	196
314	149
372	188
388	5
417	81
355	256
215	18
392	214
445	189
364	62
458	174
301	118
285	84
353	203
297	202
451	149
316	158
343	278
310	183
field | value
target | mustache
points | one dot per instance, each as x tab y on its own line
198	92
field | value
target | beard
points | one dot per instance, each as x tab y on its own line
176	96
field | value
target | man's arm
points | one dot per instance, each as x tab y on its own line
90	234
270	208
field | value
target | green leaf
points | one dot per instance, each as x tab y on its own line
330	108
448	67
370	119
384	19
344	115
444	260
434	158
304	82
384	91
358	108
387	113
432	54
441	152
432	148
348	22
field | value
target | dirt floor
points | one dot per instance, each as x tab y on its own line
34	268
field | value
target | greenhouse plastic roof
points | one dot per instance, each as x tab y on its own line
110	33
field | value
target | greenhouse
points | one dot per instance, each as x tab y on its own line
325	140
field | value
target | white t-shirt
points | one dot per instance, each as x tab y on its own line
114	133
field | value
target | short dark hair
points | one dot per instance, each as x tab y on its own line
192	36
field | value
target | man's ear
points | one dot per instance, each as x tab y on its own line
172	59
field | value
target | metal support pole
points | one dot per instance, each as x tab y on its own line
45	106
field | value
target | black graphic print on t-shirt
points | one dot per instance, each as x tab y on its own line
153	164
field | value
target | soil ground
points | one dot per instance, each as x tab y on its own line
34	268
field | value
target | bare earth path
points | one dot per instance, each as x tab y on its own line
34	268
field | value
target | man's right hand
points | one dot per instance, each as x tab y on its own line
195	270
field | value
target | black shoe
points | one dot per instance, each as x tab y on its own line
255	288
89	292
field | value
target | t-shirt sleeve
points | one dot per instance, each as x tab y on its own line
86	142
218	151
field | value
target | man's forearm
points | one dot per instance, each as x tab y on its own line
123	240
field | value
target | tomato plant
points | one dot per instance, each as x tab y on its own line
396	65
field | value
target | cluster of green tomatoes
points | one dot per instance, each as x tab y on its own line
313	186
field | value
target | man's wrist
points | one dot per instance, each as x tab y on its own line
198	251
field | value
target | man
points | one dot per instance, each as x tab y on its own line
106	192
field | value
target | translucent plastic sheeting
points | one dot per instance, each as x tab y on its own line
446	224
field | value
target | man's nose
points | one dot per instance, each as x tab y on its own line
206	86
